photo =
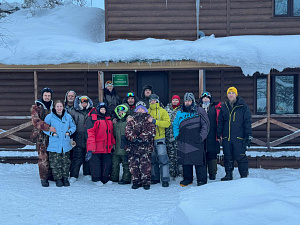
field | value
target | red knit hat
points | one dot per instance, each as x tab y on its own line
176	96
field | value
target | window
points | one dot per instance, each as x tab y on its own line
283	93
287	8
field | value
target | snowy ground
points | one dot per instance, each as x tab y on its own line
267	196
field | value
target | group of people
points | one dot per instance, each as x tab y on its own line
153	143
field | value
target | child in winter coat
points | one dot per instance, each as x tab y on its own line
120	155
59	143
99	144
140	134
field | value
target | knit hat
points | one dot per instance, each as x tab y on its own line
232	89
101	105
153	97
176	96
108	83
46	89
141	104
205	94
189	97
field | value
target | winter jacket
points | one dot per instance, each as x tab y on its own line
234	122
80	117
172	114
61	142
162	120
191	129
211	142
100	133
111	99
119	132
140	128
38	114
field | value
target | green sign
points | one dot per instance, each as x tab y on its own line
120	79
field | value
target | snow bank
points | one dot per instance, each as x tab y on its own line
72	34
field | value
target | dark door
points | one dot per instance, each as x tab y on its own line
159	81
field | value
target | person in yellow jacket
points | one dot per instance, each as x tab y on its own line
159	158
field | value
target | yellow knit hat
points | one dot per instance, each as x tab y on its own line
232	89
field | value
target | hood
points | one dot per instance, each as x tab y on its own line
147	86
77	103
39	102
126	110
66	101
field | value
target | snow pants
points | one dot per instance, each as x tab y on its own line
100	166
60	164
43	161
116	161
140	168
78	159
160	161
201	173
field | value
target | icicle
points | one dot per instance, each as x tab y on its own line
197	14
107	64
166	3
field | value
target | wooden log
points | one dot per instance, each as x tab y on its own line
259	142
15	129
18	139
285	139
258	123
284	125
100	85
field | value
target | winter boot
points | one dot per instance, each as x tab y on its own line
185	183
212	169
146	187
122	182
227	177
135	186
59	183
244	174
200	183
45	183
66	182
212	176
165	184
155	181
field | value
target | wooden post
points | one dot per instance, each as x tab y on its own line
35	79
100	86
201	82
268	110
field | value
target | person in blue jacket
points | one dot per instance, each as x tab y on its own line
59	143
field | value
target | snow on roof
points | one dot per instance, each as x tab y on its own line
73	34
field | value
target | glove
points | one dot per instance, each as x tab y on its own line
247	141
88	155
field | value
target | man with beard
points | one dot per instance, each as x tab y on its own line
131	100
69	100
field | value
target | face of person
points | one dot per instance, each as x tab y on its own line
188	102
140	110
103	110
110	88
130	101
121	113
47	96
205	99
71	96
59	108
175	101
84	104
148	92
231	96
153	101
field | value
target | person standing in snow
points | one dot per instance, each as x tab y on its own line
99	144
39	111
159	158
131	100
235	132
120	155
59	143
190	128
82	107
172	108
140	134
111	98
69	100
211	144
147	91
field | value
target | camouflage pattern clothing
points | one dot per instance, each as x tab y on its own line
175	169
38	114
60	164
140	134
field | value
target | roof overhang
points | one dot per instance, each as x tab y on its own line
110	66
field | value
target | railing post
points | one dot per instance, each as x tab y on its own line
268	110
35	79
100	85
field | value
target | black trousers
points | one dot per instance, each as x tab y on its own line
100	167
78	159
201	172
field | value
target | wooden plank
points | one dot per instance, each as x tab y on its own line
201	82
18	139
258	123
251	11
249	5
265	31
151	20
15	129
149	27
259	142
14	117
152	6
265	24
100	86
285	139
284	125
149	13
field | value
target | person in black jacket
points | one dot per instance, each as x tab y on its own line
235	132
211	144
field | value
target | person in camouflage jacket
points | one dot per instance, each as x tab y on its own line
172	108
39	111
140	134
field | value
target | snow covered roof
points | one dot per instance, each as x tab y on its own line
72	34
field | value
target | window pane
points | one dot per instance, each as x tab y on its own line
296	7
281	7
284	94
261	102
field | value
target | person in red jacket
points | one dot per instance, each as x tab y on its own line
100	142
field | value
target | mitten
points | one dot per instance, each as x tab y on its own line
247	141
88	155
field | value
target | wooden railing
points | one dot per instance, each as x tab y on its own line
10	133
